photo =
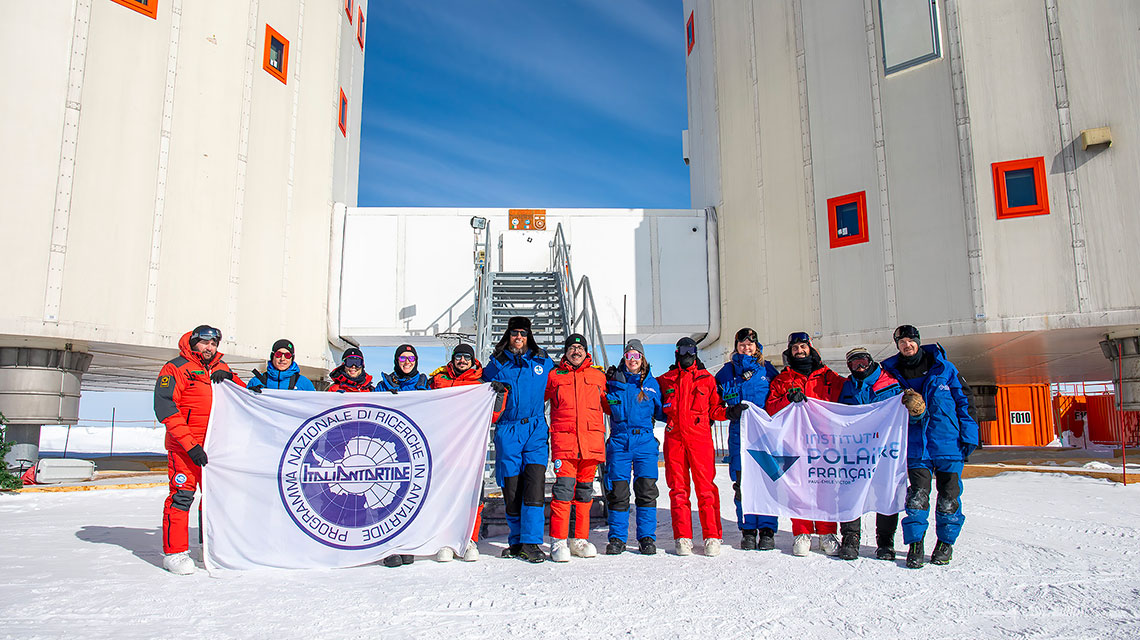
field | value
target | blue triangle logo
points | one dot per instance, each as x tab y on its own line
774	466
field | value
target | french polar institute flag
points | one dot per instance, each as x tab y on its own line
820	460
304	479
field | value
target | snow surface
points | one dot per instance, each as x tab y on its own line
1041	555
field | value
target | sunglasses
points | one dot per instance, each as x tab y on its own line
284	355
461	356
354	361
406	359
632	355
686	351
518	332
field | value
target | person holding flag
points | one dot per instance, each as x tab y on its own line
281	372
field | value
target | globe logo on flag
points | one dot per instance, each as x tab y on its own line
355	476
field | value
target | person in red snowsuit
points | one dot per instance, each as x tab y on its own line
350	376
465	370
690	404
182	401
576	391
805	376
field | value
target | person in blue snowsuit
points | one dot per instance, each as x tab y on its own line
405	375
281	372
746	377
939	441
522	449
634	398
868	384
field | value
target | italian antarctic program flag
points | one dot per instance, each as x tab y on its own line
303	479
819	460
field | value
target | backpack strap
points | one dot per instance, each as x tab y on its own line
293	381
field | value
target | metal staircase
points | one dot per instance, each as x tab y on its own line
534	295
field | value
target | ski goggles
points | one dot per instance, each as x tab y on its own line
283	355
686	351
406	359
632	355
858	362
798	336
353	361
207	333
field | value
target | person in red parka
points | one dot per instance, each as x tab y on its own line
350	376
576	391
690	404
465	370
182	401
805	376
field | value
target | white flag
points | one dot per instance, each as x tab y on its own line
819	460
303	479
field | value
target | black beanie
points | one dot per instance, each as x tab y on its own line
907	331
518	322
686	342
351	351
464	348
282	344
575	338
401	350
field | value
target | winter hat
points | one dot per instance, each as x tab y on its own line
403	350
686	342
282	344
747	334
859	351
907	331
352	352
575	338
518	322
204	331
634	345
464	348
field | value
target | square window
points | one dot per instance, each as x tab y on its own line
276	58
148	8
342	115
690	34
847	219
348	10
1019	188
360	27
909	33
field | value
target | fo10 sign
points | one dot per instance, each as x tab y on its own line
1021	417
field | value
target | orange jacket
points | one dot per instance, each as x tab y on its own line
578	406
183	396
690	401
446	376
821	384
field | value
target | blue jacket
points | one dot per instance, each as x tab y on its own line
526	376
940	432
745	378
633	402
389	381
276	379
879	385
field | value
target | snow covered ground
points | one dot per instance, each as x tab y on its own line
1041	555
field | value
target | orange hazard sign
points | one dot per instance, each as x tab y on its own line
527	219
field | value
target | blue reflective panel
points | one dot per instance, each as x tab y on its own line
847	220
1020	188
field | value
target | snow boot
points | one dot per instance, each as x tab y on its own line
560	551
684	546
444	555
766	540
647	546
886	548
942	553
393	561
531	553
712	547
582	548
829	544
748	539
512	551
471	553
179	564
615	547
801	544
849	548
914	557
406	559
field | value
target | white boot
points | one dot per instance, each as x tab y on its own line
582	548
444	555
684	546
471	554
829	544
560	551
712	547
801	544
179	563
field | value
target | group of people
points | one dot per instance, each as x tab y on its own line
687	398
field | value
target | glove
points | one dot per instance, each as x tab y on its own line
796	394
255	389
734	412
612	373
198	455
914	403
967	448
393	391
221	375
498	387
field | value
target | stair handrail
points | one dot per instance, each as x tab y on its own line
483	279
577	317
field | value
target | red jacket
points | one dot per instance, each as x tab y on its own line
821	384
183	396
446	376
578	406
690	401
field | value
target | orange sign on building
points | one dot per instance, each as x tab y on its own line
527	219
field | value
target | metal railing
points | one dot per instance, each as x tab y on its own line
483	279
579	313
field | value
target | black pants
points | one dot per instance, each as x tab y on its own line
885	527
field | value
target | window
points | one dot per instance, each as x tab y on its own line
847	219
690	34
276	60
909	31
1019	188
342	116
148	8
360	27
348	10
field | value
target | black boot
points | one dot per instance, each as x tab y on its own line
886	547
393	561
407	559
531	553
647	546
942	553
512	551
849	547
915	557
748	539
615	547
766	539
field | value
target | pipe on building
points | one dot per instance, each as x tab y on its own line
336	265
1124	353
712	253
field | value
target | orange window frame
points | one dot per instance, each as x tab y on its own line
690	33
348	10
360	27
281	74
860	201
149	9
1001	198
342	114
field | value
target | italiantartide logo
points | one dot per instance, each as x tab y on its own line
355	476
